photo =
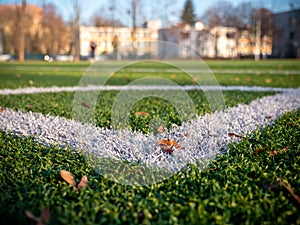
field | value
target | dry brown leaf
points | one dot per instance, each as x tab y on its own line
268	80
68	177
296	197
42	220
83	182
234	135
168	145
160	129
141	113
259	150
29	106
31	216
273	153
84	104
45	217
18	75
2	109
276	152
169	142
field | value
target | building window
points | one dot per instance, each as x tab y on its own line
230	35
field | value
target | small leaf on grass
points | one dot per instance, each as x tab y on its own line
84	104
70	179
31	216
42	220
235	135
281	151
296	197
141	113
83	182
259	150
160	129
168	145
243	137
45	216
2	109
29	106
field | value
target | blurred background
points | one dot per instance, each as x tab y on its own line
124	29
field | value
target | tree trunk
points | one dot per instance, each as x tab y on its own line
21	13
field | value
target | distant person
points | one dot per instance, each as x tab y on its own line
93	48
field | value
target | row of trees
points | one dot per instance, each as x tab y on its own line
243	16
27	28
45	32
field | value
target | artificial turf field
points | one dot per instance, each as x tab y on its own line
240	187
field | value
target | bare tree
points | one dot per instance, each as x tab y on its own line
22	28
221	14
100	21
55	36
76	30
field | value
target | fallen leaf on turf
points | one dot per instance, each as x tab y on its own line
45	217
168	145
141	114
31	216
84	104
236	135
42	220
83	182
168	142
268	81
29	106
296	197
2	109
243	137
259	150
70	179
160	129
281	151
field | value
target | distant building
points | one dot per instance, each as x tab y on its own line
246	44
125	42
194	41
225	39
286	38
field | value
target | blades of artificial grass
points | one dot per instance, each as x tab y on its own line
239	187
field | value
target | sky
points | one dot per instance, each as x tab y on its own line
151	9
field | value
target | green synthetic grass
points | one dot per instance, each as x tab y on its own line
237	188
240	187
60	104
41	74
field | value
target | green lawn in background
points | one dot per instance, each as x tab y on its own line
42	74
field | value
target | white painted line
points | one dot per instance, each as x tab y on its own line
54	89
201	138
